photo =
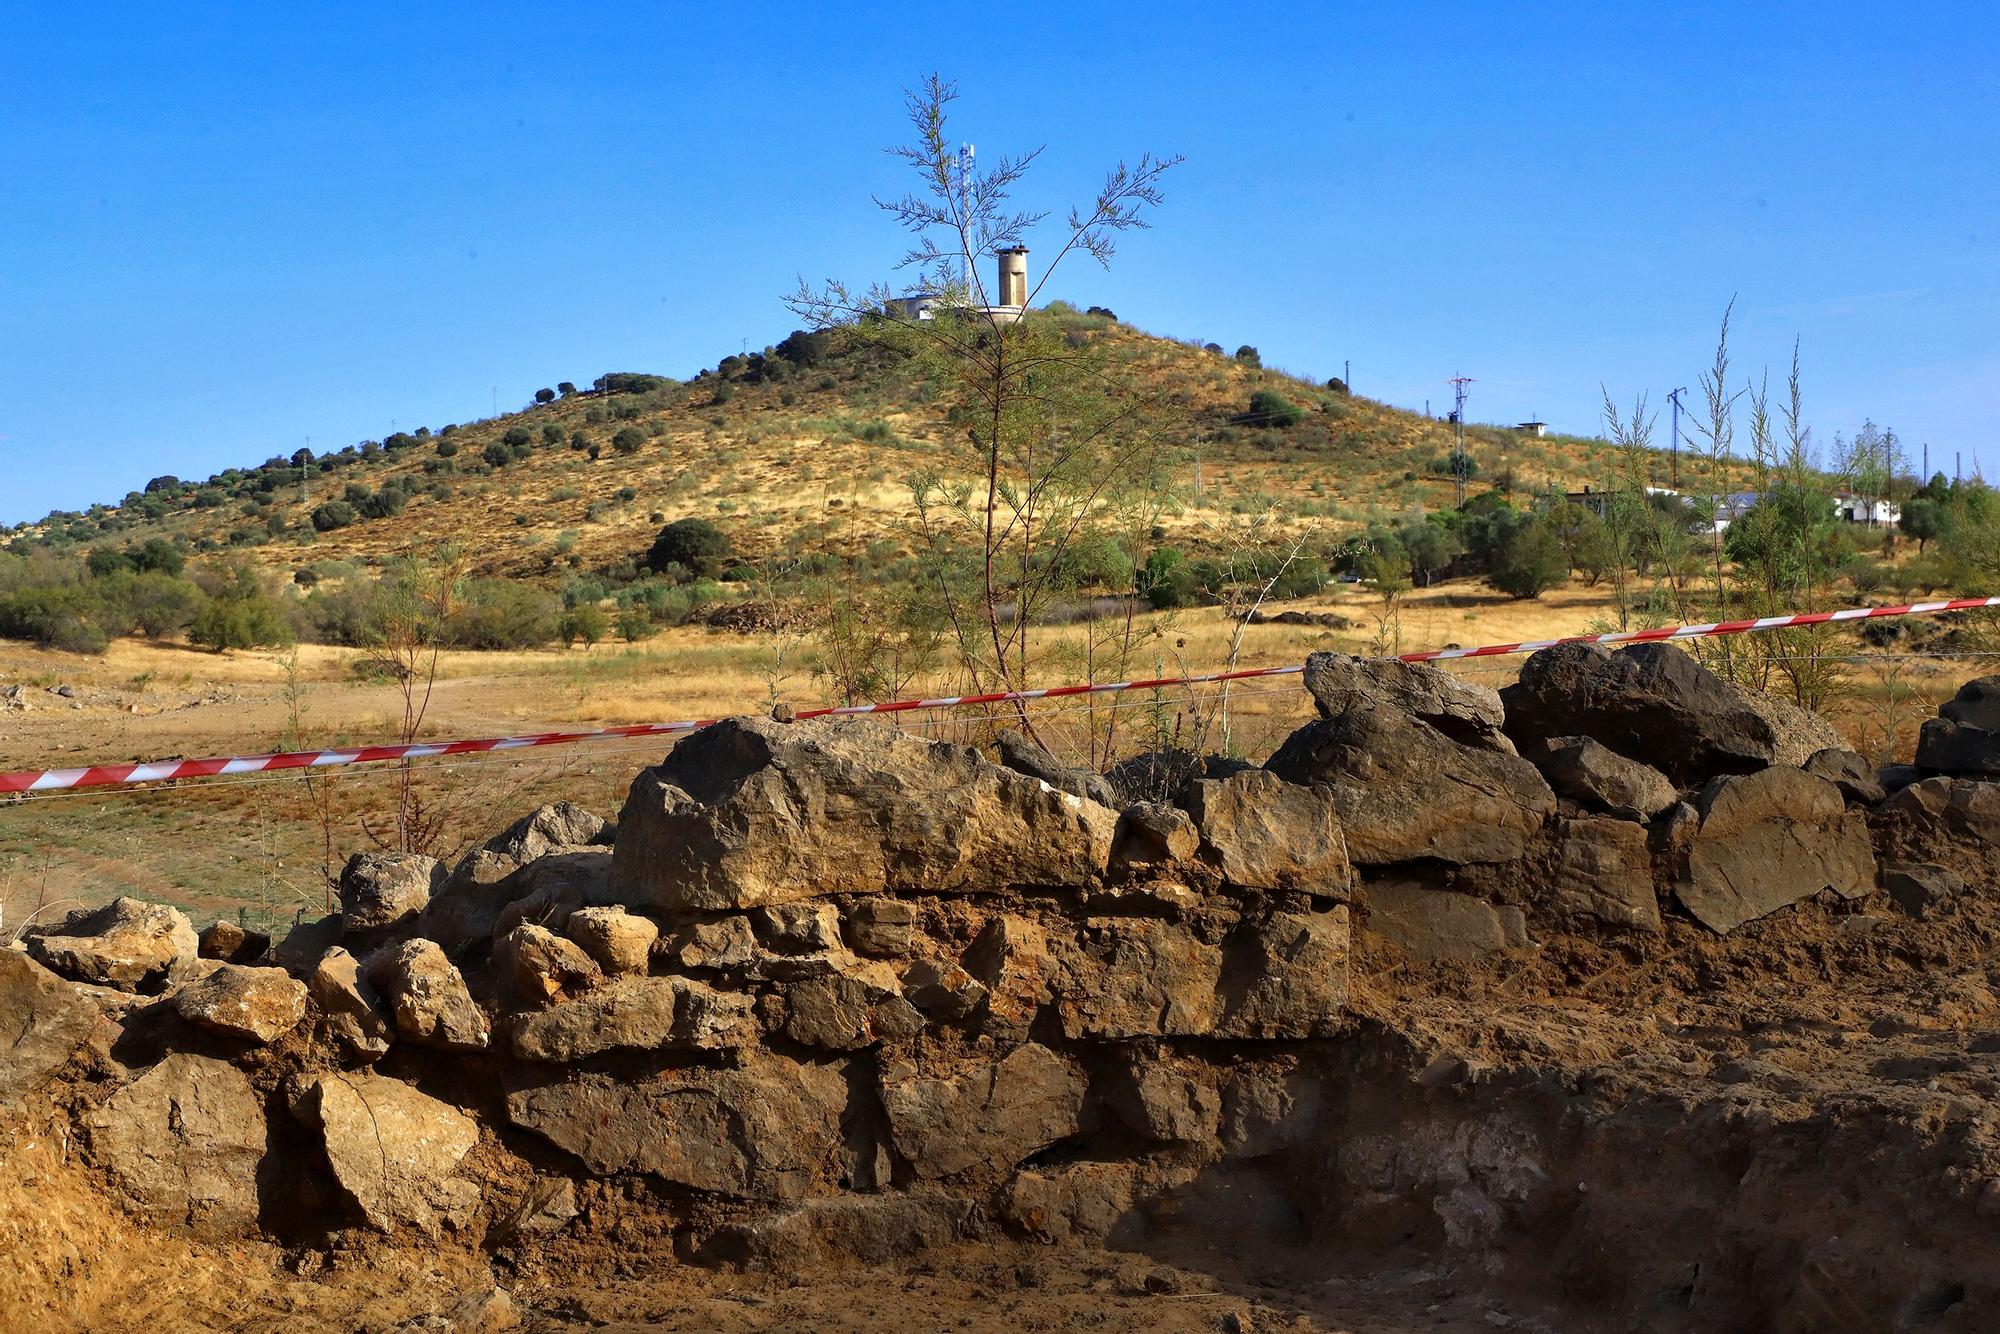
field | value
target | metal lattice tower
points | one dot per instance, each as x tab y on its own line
1459	458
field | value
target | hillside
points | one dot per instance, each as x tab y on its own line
790	451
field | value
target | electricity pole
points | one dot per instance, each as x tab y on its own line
1675	399
1347	374
1459	458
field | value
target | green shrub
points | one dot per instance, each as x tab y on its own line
586	622
333	514
1167	580
1270	408
629	440
1247	355
505	614
696	545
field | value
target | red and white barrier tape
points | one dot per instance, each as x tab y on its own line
118	775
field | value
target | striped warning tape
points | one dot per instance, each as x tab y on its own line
117	775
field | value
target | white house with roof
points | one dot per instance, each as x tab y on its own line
1875	511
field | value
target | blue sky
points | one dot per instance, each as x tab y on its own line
227	229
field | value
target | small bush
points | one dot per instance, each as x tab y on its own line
545	396
333	514
629	440
1248	356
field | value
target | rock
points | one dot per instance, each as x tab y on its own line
1796	734
1284	976
1071	1203
722	944
640	1014
301	948
543	967
43	1021
1769	839
1948	747
882	928
1432	924
554	887
383	890
751	812
1153	836
428	998
127	944
943	990
1164	1105
1141	978
798	928
1468	713
547	828
546	1209
349	1007
394	1151
1161	775
846	1012
990	1114
1596	776
1919	887
1012	959
465	911
231	943
1977	704
1267	1109
1405	792
767	1131
185	1143
257	1005
619	941
1954	822
1604	872
1022	755
872	1230
1848	772
486	1310
1650	702
1262	832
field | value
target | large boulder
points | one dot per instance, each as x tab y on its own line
1977	704
1462	710
383	890
1948	747
1264	833
752	811
1796	734
257	1005
43	1020
1846	770
619	941
769	1130
639	1014
542	966
1594	775
465	910
1404	791
853	1007
990	1114
1650	702
1767	840
231	943
184	1143
1952	821
128	944
428	997
394	1151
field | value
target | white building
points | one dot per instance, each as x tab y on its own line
1873	511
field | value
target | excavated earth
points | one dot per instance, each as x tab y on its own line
1626	1001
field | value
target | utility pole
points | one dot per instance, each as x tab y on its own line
1459	458
1675	399
1347	374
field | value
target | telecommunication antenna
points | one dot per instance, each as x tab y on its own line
965	157
1459	458
1675	399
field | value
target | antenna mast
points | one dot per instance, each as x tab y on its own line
1460	460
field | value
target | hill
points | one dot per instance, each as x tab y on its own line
806	446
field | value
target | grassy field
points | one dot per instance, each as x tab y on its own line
259	847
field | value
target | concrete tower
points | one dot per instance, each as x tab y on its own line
1013	276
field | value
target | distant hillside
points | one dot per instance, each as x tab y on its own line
804	446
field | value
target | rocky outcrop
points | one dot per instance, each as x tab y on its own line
1264	833
1964	738
465	911
1767	840
428	998
128	944
350	1010
751	812
230	943
618	941
638	1014
1022	755
1435	925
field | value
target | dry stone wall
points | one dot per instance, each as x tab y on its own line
828	987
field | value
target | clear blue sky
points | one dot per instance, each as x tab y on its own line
226	229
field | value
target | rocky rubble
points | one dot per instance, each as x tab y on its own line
825	984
